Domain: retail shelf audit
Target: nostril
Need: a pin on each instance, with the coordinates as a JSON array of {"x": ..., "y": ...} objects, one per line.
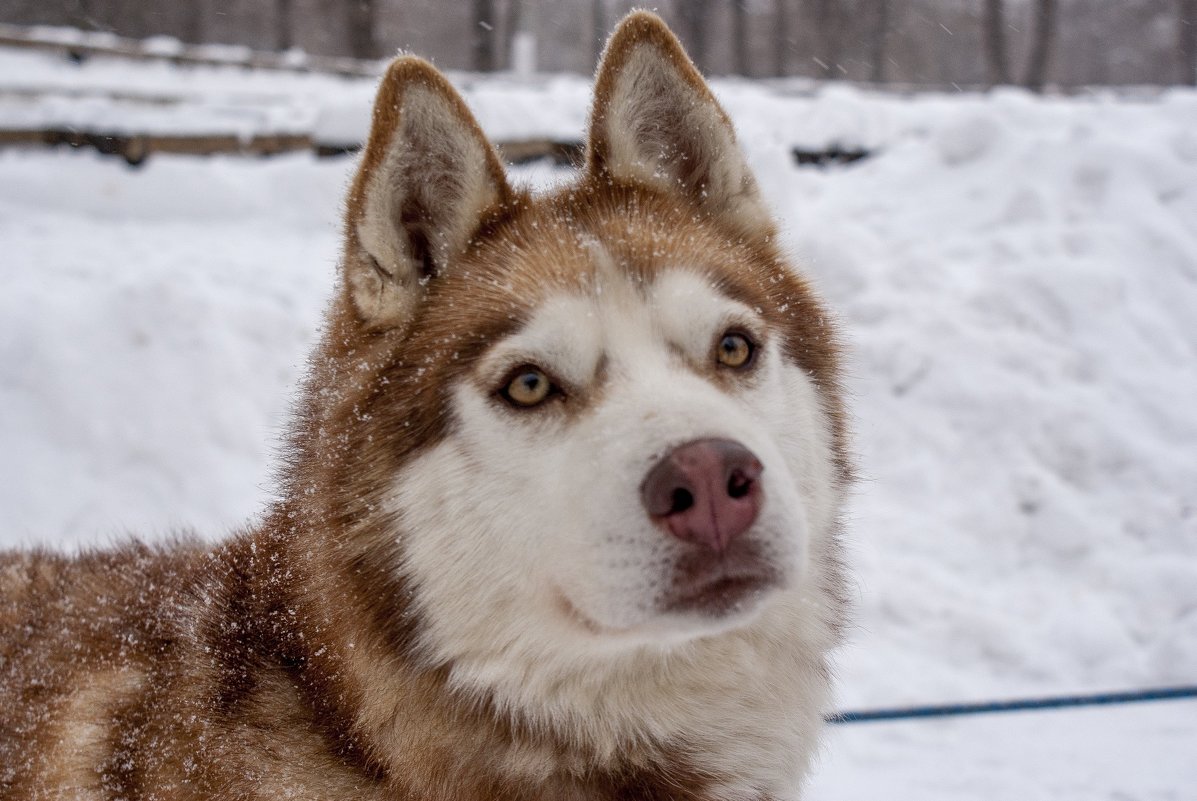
[
  {"x": 681, "y": 500},
  {"x": 738, "y": 484}
]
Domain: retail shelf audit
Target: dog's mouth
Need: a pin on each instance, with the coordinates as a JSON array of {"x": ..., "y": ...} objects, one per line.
[
  {"x": 700, "y": 584},
  {"x": 720, "y": 584}
]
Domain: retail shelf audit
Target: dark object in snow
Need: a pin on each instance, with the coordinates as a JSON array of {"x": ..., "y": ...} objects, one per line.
[
  {"x": 832, "y": 155},
  {"x": 562, "y": 154},
  {"x": 135, "y": 148}
]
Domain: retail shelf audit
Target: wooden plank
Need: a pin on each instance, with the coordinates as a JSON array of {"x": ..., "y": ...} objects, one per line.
[
  {"x": 83, "y": 45},
  {"x": 527, "y": 150},
  {"x": 136, "y": 147}
]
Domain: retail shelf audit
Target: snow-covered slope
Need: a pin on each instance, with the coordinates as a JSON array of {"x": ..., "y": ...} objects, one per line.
[
  {"x": 1020, "y": 283},
  {"x": 1016, "y": 277}
]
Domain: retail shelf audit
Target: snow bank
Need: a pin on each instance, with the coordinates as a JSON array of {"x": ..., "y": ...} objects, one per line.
[{"x": 1019, "y": 280}]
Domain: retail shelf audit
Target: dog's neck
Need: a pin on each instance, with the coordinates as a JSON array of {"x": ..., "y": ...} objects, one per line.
[{"x": 387, "y": 715}]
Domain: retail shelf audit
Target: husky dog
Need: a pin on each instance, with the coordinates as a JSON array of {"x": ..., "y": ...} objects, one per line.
[{"x": 558, "y": 518}]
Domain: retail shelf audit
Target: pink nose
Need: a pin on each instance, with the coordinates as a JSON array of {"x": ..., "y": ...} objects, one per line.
[{"x": 705, "y": 492}]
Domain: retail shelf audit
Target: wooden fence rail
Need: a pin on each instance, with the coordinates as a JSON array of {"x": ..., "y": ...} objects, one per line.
[
  {"x": 81, "y": 45},
  {"x": 135, "y": 148}
]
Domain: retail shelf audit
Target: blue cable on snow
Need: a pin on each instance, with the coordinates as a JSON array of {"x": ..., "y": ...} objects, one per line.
[{"x": 1015, "y": 705}]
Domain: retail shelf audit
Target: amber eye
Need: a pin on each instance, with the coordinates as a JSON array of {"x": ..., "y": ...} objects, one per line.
[
  {"x": 527, "y": 387},
  {"x": 735, "y": 350}
]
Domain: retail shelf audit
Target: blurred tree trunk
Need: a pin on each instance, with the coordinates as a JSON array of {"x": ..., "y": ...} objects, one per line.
[
  {"x": 829, "y": 40},
  {"x": 880, "y": 35},
  {"x": 598, "y": 27},
  {"x": 193, "y": 22},
  {"x": 781, "y": 28},
  {"x": 740, "y": 37},
  {"x": 482, "y": 21},
  {"x": 693, "y": 16},
  {"x": 83, "y": 16},
  {"x": 282, "y": 23},
  {"x": 1186, "y": 42},
  {"x": 361, "y": 28},
  {"x": 997, "y": 66},
  {"x": 1041, "y": 46},
  {"x": 130, "y": 18}
]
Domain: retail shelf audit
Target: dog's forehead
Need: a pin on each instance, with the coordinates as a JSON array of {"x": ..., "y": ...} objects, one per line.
[
  {"x": 584, "y": 244},
  {"x": 617, "y": 312}
]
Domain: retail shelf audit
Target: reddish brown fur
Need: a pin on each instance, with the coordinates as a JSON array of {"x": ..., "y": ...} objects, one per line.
[{"x": 280, "y": 664}]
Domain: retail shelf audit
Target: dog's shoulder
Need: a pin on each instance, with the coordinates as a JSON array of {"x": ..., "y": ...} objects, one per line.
[{"x": 45, "y": 593}]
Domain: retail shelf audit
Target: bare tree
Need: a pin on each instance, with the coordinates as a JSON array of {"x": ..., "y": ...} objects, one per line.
[
  {"x": 740, "y": 37},
  {"x": 996, "y": 63},
  {"x": 1186, "y": 42},
  {"x": 996, "y": 55},
  {"x": 82, "y": 15},
  {"x": 1041, "y": 45},
  {"x": 283, "y": 26},
  {"x": 482, "y": 20},
  {"x": 193, "y": 22},
  {"x": 361, "y": 24},
  {"x": 694, "y": 19},
  {"x": 826, "y": 21},
  {"x": 598, "y": 27},
  {"x": 781, "y": 36},
  {"x": 880, "y": 38},
  {"x": 131, "y": 18}
]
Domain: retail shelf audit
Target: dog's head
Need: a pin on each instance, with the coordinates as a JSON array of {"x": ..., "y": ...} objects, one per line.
[{"x": 593, "y": 421}]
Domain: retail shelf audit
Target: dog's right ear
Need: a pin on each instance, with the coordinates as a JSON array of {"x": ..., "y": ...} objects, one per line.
[{"x": 426, "y": 181}]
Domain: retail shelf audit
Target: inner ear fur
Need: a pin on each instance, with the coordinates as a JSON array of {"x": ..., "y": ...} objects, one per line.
[
  {"x": 426, "y": 181},
  {"x": 655, "y": 121}
]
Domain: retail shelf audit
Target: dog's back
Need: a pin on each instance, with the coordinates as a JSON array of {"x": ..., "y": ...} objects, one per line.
[
  {"x": 158, "y": 673},
  {"x": 83, "y": 641}
]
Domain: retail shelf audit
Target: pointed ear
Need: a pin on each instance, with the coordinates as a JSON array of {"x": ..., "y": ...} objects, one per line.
[
  {"x": 427, "y": 180},
  {"x": 656, "y": 122}
]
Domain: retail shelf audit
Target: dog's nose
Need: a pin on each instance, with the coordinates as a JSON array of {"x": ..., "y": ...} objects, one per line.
[{"x": 705, "y": 492}]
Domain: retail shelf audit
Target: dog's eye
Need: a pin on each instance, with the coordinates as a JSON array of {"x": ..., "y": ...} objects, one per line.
[
  {"x": 528, "y": 386},
  {"x": 735, "y": 350}
]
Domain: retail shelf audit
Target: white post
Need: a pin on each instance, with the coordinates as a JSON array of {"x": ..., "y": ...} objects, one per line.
[
  {"x": 523, "y": 54},
  {"x": 523, "y": 43}
]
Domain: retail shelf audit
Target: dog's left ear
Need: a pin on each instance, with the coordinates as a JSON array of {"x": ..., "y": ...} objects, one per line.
[{"x": 656, "y": 122}]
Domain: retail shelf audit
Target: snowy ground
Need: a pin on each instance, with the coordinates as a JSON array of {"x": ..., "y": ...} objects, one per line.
[
  {"x": 1017, "y": 279},
  {"x": 1141, "y": 753}
]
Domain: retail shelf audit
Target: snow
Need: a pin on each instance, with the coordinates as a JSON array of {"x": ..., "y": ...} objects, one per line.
[
  {"x": 1016, "y": 277},
  {"x": 40, "y": 90},
  {"x": 1143, "y": 753}
]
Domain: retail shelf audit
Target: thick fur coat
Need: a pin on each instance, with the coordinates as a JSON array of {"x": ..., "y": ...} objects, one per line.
[{"x": 465, "y": 589}]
